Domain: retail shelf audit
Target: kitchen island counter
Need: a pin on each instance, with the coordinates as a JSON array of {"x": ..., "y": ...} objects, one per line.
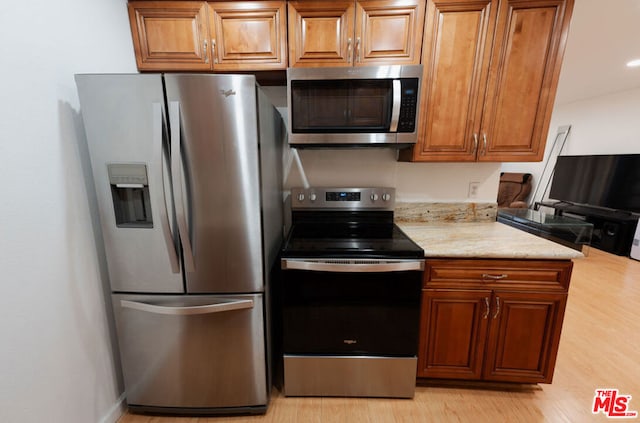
[{"x": 483, "y": 240}]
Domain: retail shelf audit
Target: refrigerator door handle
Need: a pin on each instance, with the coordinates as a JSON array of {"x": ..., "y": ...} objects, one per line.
[
  {"x": 163, "y": 212},
  {"x": 178, "y": 194},
  {"x": 188, "y": 310}
]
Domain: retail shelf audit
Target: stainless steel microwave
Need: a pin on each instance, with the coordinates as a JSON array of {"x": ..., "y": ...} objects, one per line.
[{"x": 357, "y": 106}]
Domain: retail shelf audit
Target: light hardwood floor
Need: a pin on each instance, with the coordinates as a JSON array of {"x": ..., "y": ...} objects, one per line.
[{"x": 599, "y": 348}]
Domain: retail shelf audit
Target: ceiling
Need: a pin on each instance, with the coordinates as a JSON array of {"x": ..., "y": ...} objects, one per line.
[{"x": 603, "y": 37}]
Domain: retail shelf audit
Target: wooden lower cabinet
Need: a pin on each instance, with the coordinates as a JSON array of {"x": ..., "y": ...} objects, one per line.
[
  {"x": 524, "y": 335},
  {"x": 454, "y": 332},
  {"x": 487, "y": 322}
]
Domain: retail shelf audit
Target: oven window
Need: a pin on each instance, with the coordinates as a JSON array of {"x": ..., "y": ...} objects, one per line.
[
  {"x": 351, "y": 313},
  {"x": 341, "y": 106}
]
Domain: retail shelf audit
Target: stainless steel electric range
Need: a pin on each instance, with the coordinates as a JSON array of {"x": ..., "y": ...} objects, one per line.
[{"x": 351, "y": 283}]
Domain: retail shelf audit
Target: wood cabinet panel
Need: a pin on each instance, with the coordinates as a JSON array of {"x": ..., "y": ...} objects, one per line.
[
  {"x": 169, "y": 35},
  {"x": 523, "y": 274},
  {"x": 355, "y": 33},
  {"x": 248, "y": 35},
  {"x": 523, "y": 79},
  {"x": 524, "y": 336},
  {"x": 388, "y": 32},
  {"x": 455, "y": 56},
  {"x": 492, "y": 328},
  {"x": 491, "y": 70},
  {"x": 321, "y": 33},
  {"x": 456, "y": 326}
]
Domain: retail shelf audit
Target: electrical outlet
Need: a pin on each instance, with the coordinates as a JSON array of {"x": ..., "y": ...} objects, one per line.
[{"x": 473, "y": 189}]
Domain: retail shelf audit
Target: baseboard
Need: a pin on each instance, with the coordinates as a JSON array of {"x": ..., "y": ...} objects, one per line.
[{"x": 116, "y": 411}]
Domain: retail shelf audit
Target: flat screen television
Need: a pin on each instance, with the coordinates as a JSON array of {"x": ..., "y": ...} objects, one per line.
[{"x": 608, "y": 181}]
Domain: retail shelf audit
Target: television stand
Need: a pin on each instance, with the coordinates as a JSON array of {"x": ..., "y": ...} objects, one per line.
[{"x": 612, "y": 229}]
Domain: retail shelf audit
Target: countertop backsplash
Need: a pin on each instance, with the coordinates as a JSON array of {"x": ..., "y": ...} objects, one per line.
[{"x": 445, "y": 212}]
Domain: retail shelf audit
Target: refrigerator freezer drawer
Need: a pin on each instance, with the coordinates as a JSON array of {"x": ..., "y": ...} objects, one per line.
[{"x": 192, "y": 352}]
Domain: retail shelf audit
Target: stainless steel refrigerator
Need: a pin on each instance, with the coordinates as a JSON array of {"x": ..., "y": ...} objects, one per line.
[{"x": 187, "y": 170}]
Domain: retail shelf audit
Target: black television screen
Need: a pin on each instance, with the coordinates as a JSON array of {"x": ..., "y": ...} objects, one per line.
[{"x": 610, "y": 181}]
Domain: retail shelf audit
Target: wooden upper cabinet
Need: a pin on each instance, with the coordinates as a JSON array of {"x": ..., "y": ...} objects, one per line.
[
  {"x": 455, "y": 57},
  {"x": 388, "y": 32},
  {"x": 321, "y": 33},
  {"x": 248, "y": 35},
  {"x": 170, "y": 35},
  {"x": 491, "y": 69},
  {"x": 205, "y": 36},
  {"x": 523, "y": 78},
  {"x": 355, "y": 33}
]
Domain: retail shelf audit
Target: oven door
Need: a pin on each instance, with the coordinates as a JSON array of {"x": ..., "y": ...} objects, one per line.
[{"x": 351, "y": 309}]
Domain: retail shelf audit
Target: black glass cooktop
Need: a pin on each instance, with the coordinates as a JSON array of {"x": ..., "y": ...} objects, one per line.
[{"x": 335, "y": 239}]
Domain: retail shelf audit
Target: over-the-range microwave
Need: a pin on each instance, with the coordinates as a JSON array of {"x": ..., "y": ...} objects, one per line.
[{"x": 353, "y": 106}]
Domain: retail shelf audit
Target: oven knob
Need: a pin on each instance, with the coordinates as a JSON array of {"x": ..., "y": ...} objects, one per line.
[
  {"x": 386, "y": 197},
  {"x": 300, "y": 197},
  {"x": 374, "y": 197},
  {"x": 312, "y": 197}
]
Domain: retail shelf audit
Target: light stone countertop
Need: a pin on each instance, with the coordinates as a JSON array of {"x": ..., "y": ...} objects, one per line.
[{"x": 483, "y": 240}]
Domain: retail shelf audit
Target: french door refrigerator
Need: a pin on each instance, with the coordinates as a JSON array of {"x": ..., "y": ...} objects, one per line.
[{"x": 187, "y": 171}]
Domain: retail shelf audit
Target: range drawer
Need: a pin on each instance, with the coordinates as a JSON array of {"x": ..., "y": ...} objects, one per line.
[{"x": 518, "y": 274}]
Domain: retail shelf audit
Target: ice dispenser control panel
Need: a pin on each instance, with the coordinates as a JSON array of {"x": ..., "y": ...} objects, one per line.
[{"x": 130, "y": 194}]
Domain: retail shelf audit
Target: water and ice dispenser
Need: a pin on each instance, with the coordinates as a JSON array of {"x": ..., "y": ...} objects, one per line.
[{"x": 130, "y": 194}]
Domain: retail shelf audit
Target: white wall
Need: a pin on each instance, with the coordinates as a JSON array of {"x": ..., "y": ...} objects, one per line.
[
  {"x": 414, "y": 182},
  {"x": 608, "y": 124},
  {"x": 56, "y": 359}
]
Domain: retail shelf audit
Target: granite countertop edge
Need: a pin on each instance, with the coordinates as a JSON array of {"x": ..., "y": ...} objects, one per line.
[{"x": 483, "y": 240}]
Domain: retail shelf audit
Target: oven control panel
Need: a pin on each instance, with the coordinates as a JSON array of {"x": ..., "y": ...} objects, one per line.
[{"x": 382, "y": 198}]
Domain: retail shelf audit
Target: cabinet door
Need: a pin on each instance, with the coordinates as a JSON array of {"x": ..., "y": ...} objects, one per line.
[
  {"x": 248, "y": 35},
  {"x": 455, "y": 56},
  {"x": 523, "y": 336},
  {"x": 453, "y": 331},
  {"x": 388, "y": 32},
  {"x": 321, "y": 33},
  {"x": 170, "y": 35},
  {"x": 523, "y": 77}
]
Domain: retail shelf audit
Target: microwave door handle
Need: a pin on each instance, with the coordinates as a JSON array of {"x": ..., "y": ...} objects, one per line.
[
  {"x": 395, "y": 109},
  {"x": 178, "y": 194},
  {"x": 158, "y": 125}
]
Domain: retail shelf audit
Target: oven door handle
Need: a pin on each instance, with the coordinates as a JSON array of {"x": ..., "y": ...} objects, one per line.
[{"x": 370, "y": 266}]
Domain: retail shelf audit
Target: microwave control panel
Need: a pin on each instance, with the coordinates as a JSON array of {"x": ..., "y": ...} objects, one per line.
[{"x": 408, "y": 105}]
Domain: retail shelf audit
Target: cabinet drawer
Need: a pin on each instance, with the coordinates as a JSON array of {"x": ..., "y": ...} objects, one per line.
[{"x": 519, "y": 274}]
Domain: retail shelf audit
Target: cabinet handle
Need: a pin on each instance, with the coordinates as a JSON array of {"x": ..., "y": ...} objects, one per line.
[
  {"x": 475, "y": 143},
  {"x": 484, "y": 144},
  {"x": 213, "y": 50},
  {"x": 494, "y": 277},
  {"x": 349, "y": 52},
  {"x": 358, "y": 49},
  {"x": 487, "y": 307},
  {"x": 495, "y": 315},
  {"x": 204, "y": 51}
]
